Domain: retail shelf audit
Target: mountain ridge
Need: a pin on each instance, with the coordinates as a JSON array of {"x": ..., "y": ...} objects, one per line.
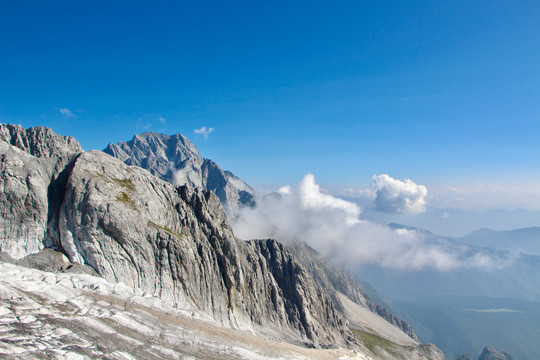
[{"x": 171, "y": 241}]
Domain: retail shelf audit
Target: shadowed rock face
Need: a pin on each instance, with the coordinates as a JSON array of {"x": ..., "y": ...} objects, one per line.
[
  {"x": 34, "y": 165},
  {"x": 176, "y": 160}
]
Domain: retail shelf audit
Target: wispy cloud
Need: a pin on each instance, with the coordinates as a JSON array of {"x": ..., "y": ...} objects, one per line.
[
  {"x": 396, "y": 196},
  {"x": 479, "y": 196},
  {"x": 67, "y": 113},
  {"x": 367, "y": 193},
  {"x": 162, "y": 120},
  {"x": 333, "y": 227},
  {"x": 204, "y": 131}
]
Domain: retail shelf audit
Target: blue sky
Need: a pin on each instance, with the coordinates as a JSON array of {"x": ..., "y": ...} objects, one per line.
[{"x": 439, "y": 92}]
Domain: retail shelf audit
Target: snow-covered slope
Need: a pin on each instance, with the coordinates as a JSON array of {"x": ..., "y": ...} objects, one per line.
[{"x": 76, "y": 316}]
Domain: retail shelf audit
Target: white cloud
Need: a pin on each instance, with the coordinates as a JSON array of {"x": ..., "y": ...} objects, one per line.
[
  {"x": 162, "y": 120},
  {"x": 67, "y": 113},
  {"x": 332, "y": 226},
  {"x": 396, "y": 196},
  {"x": 300, "y": 212},
  {"x": 204, "y": 131}
]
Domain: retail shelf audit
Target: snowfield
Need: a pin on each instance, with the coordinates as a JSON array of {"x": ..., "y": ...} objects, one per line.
[{"x": 74, "y": 316}]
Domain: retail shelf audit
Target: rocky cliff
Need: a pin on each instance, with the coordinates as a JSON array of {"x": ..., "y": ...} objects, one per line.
[
  {"x": 174, "y": 242},
  {"x": 336, "y": 281},
  {"x": 175, "y": 159},
  {"x": 34, "y": 165}
]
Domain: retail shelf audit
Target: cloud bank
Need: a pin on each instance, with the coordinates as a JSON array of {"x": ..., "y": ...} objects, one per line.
[
  {"x": 301, "y": 212},
  {"x": 395, "y": 196},
  {"x": 333, "y": 227}
]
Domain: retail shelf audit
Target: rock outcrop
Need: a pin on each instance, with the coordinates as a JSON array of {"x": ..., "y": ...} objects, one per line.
[
  {"x": 46, "y": 315},
  {"x": 175, "y": 159},
  {"x": 491, "y": 353},
  {"x": 464, "y": 357},
  {"x": 34, "y": 165},
  {"x": 39, "y": 141}
]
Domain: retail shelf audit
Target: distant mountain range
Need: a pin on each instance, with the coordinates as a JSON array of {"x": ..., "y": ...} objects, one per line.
[
  {"x": 463, "y": 310},
  {"x": 526, "y": 241},
  {"x": 453, "y": 222}
]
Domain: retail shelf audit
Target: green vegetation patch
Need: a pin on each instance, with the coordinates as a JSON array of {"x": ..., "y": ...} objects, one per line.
[
  {"x": 125, "y": 183},
  {"x": 123, "y": 197},
  {"x": 167, "y": 230},
  {"x": 375, "y": 343}
]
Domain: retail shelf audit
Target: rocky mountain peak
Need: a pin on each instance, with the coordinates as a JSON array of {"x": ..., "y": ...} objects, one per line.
[
  {"x": 39, "y": 141},
  {"x": 161, "y": 154},
  {"x": 491, "y": 353},
  {"x": 175, "y": 159}
]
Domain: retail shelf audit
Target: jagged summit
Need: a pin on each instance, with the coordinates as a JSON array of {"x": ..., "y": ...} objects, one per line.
[
  {"x": 175, "y": 159},
  {"x": 161, "y": 154},
  {"x": 491, "y": 353},
  {"x": 39, "y": 141}
]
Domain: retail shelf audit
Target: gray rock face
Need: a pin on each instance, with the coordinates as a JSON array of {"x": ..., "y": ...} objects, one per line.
[
  {"x": 490, "y": 353},
  {"x": 39, "y": 141},
  {"x": 46, "y": 315},
  {"x": 32, "y": 164},
  {"x": 334, "y": 280},
  {"x": 290, "y": 289},
  {"x": 464, "y": 357},
  {"x": 176, "y": 243},
  {"x": 176, "y": 160}
]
